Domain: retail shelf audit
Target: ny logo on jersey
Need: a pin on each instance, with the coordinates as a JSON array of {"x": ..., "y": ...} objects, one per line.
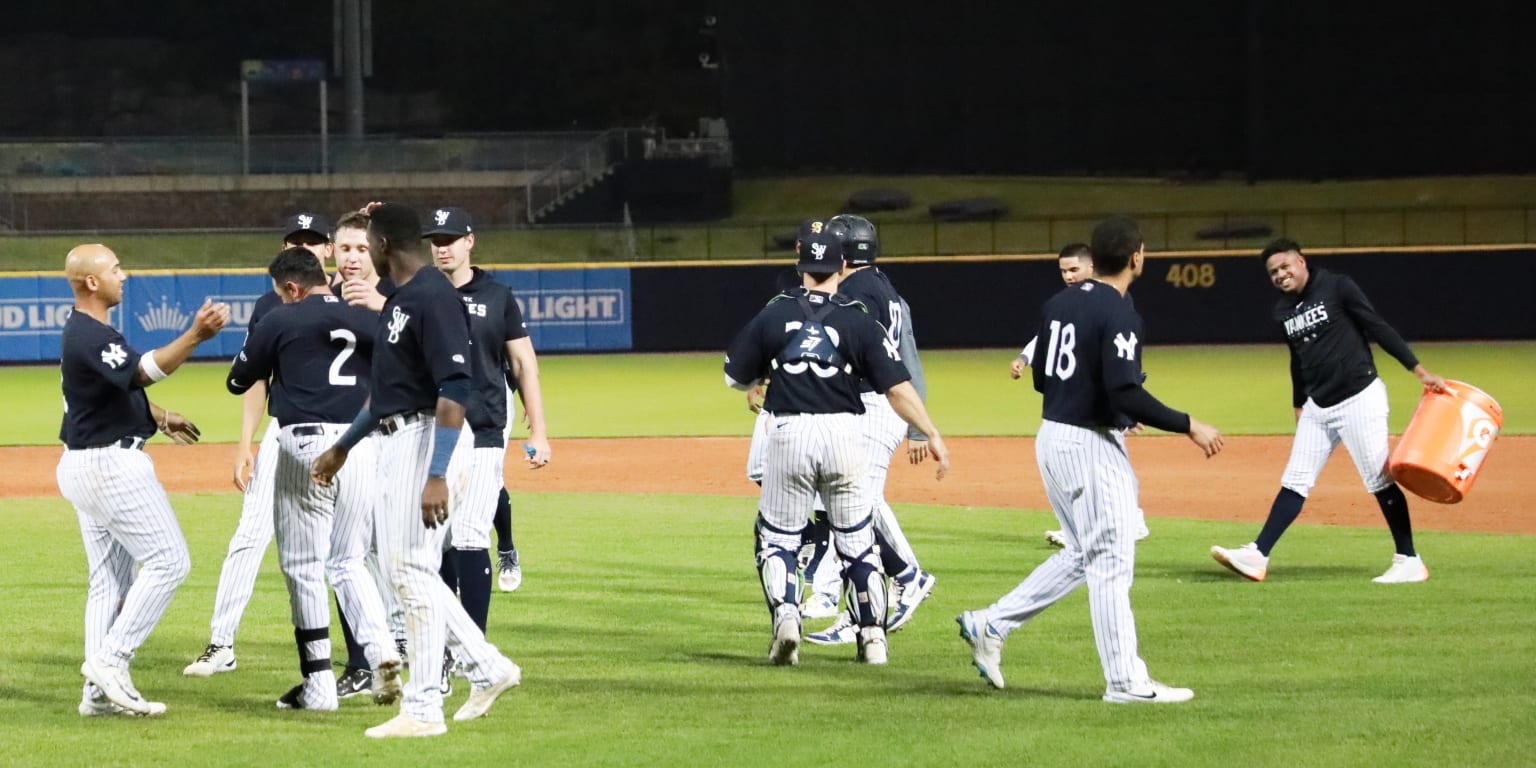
[
  {"x": 1124, "y": 347},
  {"x": 440, "y": 216},
  {"x": 114, "y": 355},
  {"x": 397, "y": 320}
]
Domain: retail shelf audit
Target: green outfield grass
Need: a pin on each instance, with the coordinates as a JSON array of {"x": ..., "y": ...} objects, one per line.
[
  {"x": 642, "y": 638},
  {"x": 1240, "y": 389}
]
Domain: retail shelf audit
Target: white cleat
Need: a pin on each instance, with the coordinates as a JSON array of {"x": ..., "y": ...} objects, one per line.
[
  {"x": 906, "y": 595},
  {"x": 117, "y": 687},
  {"x": 784, "y": 651},
  {"x": 94, "y": 703},
  {"x": 1057, "y": 539},
  {"x": 986, "y": 646},
  {"x": 842, "y": 632},
  {"x": 509, "y": 573},
  {"x": 405, "y": 727},
  {"x": 481, "y": 699},
  {"x": 1246, "y": 561},
  {"x": 1150, "y": 692},
  {"x": 820, "y": 606},
  {"x": 214, "y": 659},
  {"x": 1404, "y": 570},
  {"x": 872, "y": 646}
]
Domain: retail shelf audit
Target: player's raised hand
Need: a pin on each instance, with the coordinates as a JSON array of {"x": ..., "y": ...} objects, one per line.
[
  {"x": 328, "y": 464},
  {"x": 1016, "y": 368},
  {"x": 210, "y": 319},
  {"x": 178, "y": 428},
  {"x": 940, "y": 453},
  {"x": 1205, "y": 436},
  {"x": 434, "y": 502},
  {"x": 359, "y": 293}
]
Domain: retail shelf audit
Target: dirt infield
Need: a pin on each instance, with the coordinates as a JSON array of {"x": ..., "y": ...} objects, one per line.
[{"x": 988, "y": 472}]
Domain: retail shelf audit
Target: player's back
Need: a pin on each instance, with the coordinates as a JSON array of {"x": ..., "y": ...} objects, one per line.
[
  {"x": 1087, "y": 346},
  {"x": 323, "y": 350}
]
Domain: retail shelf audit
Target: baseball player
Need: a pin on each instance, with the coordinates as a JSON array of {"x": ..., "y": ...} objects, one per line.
[
  {"x": 817, "y": 558},
  {"x": 421, "y": 378},
  {"x": 1076, "y": 264},
  {"x": 817, "y": 346},
  {"x": 1090, "y": 375},
  {"x": 125, "y": 517},
  {"x": 1329, "y": 324},
  {"x": 360, "y": 286},
  {"x": 320, "y": 531},
  {"x": 501, "y": 344},
  {"x": 253, "y": 476},
  {"x": 883, "y": 427}
]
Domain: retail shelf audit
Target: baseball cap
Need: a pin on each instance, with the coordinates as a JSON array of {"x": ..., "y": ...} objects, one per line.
[
  {"x": 307, "y": 221},
  {"x": 820, "y": 253},
  {"x": 449, "y": 221}
]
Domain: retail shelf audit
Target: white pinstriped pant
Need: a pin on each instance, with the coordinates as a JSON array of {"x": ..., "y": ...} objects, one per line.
[
  {"x": 1360, "y": 422},
  {"x": 325, "y": 532},
  {"x": 125, "y": 518},
  {"x": 475, "y": 478},
  {"x": 1092, "y": 487},
  {"x": 413, "y": 554},
  {"x": 828, "y": 580},
  {"x": 817, "y": 453},
  {"x": 248, "y": 545},
  {"x": 884, "y": 429}
]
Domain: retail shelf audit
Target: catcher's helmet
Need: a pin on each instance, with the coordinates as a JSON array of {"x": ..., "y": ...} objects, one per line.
[{"x": 861, "y": 246}]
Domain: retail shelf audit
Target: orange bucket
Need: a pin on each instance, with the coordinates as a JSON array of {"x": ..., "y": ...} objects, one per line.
[{"x": 1446, "y": 442}]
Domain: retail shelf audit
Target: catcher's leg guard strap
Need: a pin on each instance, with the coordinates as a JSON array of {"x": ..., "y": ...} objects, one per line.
[
  {"x": 314, "y": 649},
  {"x": 866, "y": 590},
  {"x": 777, "y": 565}
]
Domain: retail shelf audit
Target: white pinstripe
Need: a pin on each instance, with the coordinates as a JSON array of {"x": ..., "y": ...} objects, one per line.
[
  {"x": 247, "y": 547},
  {"x": 828, "y": 579},
  {"x": 1360, "y": 422},
  {"x": 125, "y": 518},
  {"x": 413, "y": 552},
  {"x": 1092, "y": 488},
  {"x": 884, "y": 430},
  {"x": 324, "y": 532},
  {"x": 817, "y": 453},
  {"x": 476, "y": 477}
]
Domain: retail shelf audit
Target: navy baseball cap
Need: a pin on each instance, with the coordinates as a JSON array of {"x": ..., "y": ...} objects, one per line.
[
  {"x": 449, "y": 221},
  {"x": 820, "y": 253},
  {"x": 307, "y": 221}
]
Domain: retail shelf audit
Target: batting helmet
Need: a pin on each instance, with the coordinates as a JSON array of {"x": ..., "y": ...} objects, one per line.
[{"x": 861, "y": 246}]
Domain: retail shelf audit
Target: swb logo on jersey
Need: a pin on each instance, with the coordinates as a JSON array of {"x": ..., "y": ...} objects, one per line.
[{"x": 397, "y": 321}]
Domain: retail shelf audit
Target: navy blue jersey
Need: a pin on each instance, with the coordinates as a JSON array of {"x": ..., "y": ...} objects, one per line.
[
  {"x": 870, "y": 287},
  {"x": 268, "y": 302},
  {"x": 821, "y": 374},
  {"x": 318, "y": 354},
  {"x": 421, "y": 341},
  {"x": 494, "y": 320},
  {"x": 1328, "y": 327},
  {"x": 1089, "y": 345},
  {"x": 101, "y": 403}
]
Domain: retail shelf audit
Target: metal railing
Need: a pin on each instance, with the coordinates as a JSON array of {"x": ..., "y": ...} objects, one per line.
[
  {"x": 202, "y": 155},
  {"x": 579, "y": 166}
]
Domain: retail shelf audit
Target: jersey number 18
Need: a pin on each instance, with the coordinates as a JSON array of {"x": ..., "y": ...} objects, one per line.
[{"x": 1059, "y": 358}]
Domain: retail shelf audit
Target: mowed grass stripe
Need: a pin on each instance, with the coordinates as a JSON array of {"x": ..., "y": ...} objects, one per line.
[{"x": 642, "y": 634}]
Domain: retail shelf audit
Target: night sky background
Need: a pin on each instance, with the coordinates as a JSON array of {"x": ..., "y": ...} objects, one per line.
[{"x": 1262, "y": 88}]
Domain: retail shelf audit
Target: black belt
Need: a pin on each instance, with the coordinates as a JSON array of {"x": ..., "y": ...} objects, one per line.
[
  {"x": 131, "y": 443},
  {"x": 306, "y": 430},
  {"x": 392, "y": 424}
]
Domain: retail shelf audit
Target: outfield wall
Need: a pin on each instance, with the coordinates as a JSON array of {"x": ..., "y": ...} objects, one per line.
[{"x": 1186, "y": 298}]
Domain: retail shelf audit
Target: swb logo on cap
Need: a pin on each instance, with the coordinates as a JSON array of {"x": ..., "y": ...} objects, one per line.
[
  {"x": 820, "y": 253},
  {"x": 449, "y": 221}
]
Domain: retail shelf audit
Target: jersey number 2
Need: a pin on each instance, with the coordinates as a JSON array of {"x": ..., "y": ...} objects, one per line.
[
  {"x": 341, "y": 357},
  {"x": 1059, "y": 358}
]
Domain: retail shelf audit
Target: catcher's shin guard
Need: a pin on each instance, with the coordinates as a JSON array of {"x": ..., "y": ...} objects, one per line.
[
  {"x": 777, "y": 565},
  {"x": 866, "y": 589}
]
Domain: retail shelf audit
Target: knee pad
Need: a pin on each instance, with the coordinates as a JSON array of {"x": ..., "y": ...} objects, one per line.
[
  {"x": 866, "y": 589},
  {"x": 777, "y": 566}
]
